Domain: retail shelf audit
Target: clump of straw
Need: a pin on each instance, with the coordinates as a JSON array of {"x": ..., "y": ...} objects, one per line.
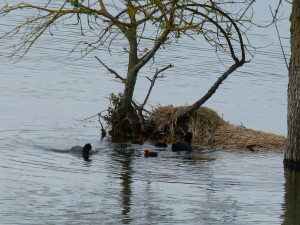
[{"x": 209, "y": 129}]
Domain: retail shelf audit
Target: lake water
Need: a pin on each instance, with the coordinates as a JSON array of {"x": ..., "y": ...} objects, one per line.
[{"x": 45, "y": 96}]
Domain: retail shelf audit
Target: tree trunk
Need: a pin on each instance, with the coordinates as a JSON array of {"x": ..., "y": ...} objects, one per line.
[
  {"x": 131, "y": 72},
  {"x": 130, "y": 81},
  {"x": 292, "y": 153},
  {"x": 126, "y": 120}
]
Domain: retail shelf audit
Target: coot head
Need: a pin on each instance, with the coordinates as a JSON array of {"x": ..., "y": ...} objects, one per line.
[
  {"x": 87, "y": 147},
  {"x": 86, "y": 151}
]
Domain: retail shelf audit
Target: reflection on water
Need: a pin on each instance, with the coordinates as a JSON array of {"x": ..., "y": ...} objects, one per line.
[
  {"x": 291, "y": 205},
  {"x": 126, "y": 182},
  {"x": 120, "y": 186}
]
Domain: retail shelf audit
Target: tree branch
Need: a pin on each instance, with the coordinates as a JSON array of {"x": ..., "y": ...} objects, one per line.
[
  {"x": 152, "y": 81},
  {"x": 210, "y": 92},
  {"x": 238, "y": 62},
  {"x": 111, "y": 70},
  {"x": 226, "y": 36},
  {"x": 140, "y": 108}
]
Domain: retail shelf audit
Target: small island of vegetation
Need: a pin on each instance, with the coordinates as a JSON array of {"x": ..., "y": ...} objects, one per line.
[{"x": 211, "y": 130}]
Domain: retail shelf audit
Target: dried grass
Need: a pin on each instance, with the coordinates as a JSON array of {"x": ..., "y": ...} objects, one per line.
[
  {"x": 242, "y": 137},
  {"x": 209, "y": 129}
]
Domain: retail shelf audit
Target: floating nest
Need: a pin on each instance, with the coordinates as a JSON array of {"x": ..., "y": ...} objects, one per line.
[{"x": 210, "y": 130}]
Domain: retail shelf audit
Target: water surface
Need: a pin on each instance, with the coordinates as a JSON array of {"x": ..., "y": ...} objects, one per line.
[{"x": 120, "y": 186}]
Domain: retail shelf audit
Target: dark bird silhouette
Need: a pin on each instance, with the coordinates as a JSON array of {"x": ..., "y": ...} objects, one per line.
[
  {"x": 147, "y": 153},
  {"x": 183, "y": 145},
  {"x": 162, "y": 144},
  {"x": 140, "y": 141},
  {"x": 86, "y": 151}
]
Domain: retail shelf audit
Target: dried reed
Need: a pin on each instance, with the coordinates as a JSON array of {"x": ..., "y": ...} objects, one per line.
[{"x": 209, "y": 129}]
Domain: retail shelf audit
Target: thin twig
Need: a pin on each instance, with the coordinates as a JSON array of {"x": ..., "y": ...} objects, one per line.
[
  {"x": 103, "y": 131},
  {"x": 140, "y": 108},
  {"x": 99, "y": 113},
  {"x": 278, "y": 35},
  {"x": 140, "y": 114},
  {"x": 153, "y": 81},
  {"x": 111, "y": 70}
]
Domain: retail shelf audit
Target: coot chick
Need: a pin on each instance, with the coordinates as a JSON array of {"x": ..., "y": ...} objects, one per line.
[
  {"x": 140, "y": 141},
  {"x": 86, "y": 151},
  {"x": 162, "y": 144},
  {"x": 147, "y": 154},
  {"x": 183, "y": 145}
]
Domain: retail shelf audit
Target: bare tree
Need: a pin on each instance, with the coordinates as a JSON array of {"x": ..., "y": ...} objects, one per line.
[{"x": 146, "y": 26}]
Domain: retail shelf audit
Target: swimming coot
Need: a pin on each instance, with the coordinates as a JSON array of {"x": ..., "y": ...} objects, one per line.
[
  {"x": 162, "y": 144},
  {"x": 147, "y": 154},
  {"x": 140, "y": 141},
  {"x": 86, "y": 151},
  {"x": 183, "y": 145}
]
